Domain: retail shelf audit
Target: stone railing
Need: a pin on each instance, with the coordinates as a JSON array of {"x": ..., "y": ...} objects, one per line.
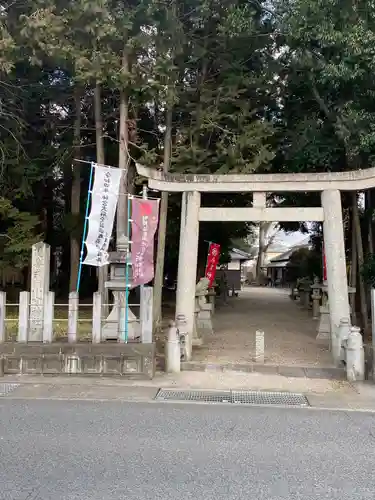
[
  {"x": 96, "y": 323},
  {"x": 76, "y": 343}
]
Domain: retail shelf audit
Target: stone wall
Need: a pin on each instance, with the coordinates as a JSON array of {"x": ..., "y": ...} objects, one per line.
[{"x": 122, "y": 360}]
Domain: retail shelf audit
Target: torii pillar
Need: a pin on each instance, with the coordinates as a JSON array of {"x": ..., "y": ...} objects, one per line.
[
  {"x": 334, "y": 249},
  {"x": 187, "y": 263}
]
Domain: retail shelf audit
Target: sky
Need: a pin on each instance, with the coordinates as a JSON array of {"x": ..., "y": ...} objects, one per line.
[{"x": 290, "y": 238}]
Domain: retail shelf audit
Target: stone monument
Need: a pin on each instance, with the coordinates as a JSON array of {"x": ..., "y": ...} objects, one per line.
[{"x": 40, "y": 273}]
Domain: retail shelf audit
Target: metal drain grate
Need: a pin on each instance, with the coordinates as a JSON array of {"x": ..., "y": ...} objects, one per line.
[
  {"x": 203, "y": 396},
  {"x": 235, "y": 397},
  {"x": 6, "y": 389},
  {"x": 269, "y": 398}
]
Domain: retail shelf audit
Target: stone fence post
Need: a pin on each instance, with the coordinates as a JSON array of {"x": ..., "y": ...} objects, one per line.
[
  {"x": 145, "y": 314},
  {"x": 73, "y": 317},
  {"x": 49, "y": 304},
  {"x": 97, "y": 318},
  {"x": 23, "y": 317}
]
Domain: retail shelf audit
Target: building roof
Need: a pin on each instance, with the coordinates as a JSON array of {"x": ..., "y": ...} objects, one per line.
[
  {"x": 284, "y": 257},
  {"x": 277, "y": 247},
  {"x": 237, "y": 254}
]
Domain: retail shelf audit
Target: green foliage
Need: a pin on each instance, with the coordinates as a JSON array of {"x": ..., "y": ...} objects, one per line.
[
  {"x": 329, "y": 48},
  {"x": 17, "y": 234},
  {"x": 223, "y": 125},
  {"x": 368, "y": 270},
  {"x": 304, "y": 263},
  {"x": 252, "y": 88}
]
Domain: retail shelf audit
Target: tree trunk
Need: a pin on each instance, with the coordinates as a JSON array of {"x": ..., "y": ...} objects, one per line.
[
  {"x": 76, "y": 194},
  {"x": 162, "y": 230},
  {"x": 260, "y": 259},
  {"x": 360, "y": 259},
  {"x": 264, "y": 242},
  {"x": 124, "y": 158},
  {"x": 100, "y": 158}
]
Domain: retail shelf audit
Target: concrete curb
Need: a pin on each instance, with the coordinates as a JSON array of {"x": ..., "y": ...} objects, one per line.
[{"x": 138, "y": 394}]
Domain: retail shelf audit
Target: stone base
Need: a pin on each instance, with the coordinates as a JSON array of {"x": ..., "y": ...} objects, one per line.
[
  {"x": 196, "y": 339},
  {"x": 110, "y": 328},
  {"x": 323, "y": 338},
  {"x": 204, "y": 322},
  {"x": 121, "y": 360},
  {"x": 324, "y": 328},
  {"x": 337, "y": 373},
  {"x": 211, "y": 300},
  {"x": 197, "y": 342}
]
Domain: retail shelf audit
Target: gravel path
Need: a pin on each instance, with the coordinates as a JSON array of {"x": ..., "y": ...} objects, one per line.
[{"x": 290, "y": 331}]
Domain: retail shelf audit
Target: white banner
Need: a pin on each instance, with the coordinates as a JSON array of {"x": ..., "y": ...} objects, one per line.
[{"x": 104, "y": 196}]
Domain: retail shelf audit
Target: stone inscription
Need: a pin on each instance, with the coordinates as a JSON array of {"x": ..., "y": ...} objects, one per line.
[{"x": 40, "y": 271}]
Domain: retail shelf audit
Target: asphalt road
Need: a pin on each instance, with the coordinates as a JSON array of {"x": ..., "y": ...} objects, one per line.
[{"x": 65, "y": 450}]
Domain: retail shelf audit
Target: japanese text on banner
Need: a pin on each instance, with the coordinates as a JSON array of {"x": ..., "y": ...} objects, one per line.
[
  {"x": 145, "y": 218},
  {"x": 104, "y": 197},
  {"x": 212, "y": 262}
]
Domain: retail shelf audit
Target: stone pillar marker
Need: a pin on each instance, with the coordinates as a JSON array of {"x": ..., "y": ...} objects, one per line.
[
  {"x": 334, "y": 248},
  {"x": 187, "y": 266},
  {"x": 259, "y": 346},
  {"x": 40, "y": 273}
]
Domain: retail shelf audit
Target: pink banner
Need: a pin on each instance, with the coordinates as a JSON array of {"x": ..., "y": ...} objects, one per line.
[{"x": 145, "y": 218}]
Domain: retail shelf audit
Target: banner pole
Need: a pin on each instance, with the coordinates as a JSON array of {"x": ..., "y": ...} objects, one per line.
[
  {"x": 208, "y": 253},
  {"x": 85, "y": 224},
  {"x": 126, "y": 332}
]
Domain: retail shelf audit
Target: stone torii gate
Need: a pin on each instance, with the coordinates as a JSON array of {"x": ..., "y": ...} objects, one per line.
[{"x": 330, "y": 213}]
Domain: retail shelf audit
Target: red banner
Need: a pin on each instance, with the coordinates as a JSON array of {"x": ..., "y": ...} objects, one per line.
[
  {"x": 212, "y": 262},
  {"x": 145, "y": 215},
  {"x": 324, "y": 265}
]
